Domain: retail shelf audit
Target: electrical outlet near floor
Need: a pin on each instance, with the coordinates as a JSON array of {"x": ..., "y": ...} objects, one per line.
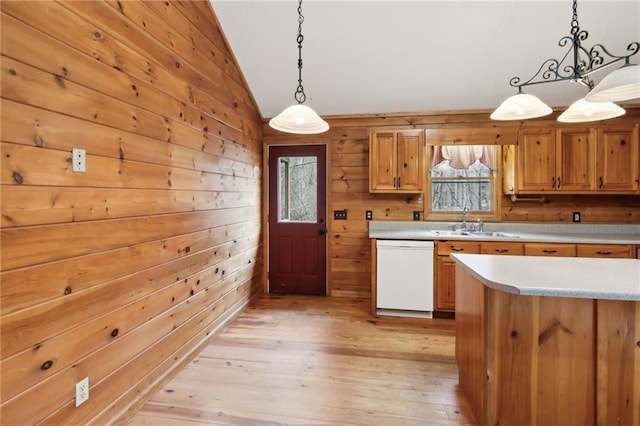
[{"x": 82, "y": 391}]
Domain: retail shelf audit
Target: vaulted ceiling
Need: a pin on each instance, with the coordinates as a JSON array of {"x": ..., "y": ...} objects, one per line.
[{"x": 363, "y": 57}]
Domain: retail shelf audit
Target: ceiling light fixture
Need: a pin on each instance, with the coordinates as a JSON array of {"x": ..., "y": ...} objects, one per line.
[
  {"x": 299, "y": 118},
  {"x": 622, "y": 84}
]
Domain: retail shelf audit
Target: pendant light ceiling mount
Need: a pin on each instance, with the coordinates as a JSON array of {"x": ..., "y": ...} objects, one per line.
[
  {"x": 577, "y": 64},
  {"x": 299, "y": 118}
]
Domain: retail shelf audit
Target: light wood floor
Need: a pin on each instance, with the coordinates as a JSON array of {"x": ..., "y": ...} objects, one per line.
[{"x": 300, "y": 360}]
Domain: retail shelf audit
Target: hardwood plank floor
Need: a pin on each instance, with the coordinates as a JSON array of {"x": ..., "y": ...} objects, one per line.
[{"x": 300, "y": 360}]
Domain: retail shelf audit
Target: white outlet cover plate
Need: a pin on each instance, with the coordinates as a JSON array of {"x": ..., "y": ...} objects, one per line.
[
  {"x": 78, "y": 160},
  {"x": 82, "y": 391}
]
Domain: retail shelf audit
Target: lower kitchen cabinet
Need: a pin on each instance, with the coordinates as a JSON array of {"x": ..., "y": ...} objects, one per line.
[
  {"x": 445, "y": 284},
  {"x": 445, "y": 274}
]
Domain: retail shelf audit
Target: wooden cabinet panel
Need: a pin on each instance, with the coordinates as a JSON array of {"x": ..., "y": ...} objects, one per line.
[
  {"x": 618, "y": 160},
  {"x": 549, "y": 249},
  {"x": 445, "y": 284},
  {"x": 473, "y": 136},
  {"x": 536, "y": 160},
  {"x": 618, "y": 362},
  {"x": 605, "y": 250},
  {"x": 575, "y": 160},
  {"x": 502, "y": 248},
  {"x": 382, "y": 166},
  {"x": 410, "y": 164},
  {"x": 396, "y": 162}
]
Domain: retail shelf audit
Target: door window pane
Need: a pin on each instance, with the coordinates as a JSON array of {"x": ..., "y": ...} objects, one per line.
[{"x": 297, "y": 189}]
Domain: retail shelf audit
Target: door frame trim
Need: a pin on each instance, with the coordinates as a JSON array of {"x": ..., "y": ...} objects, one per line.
[{"x": 265, "y": 210}]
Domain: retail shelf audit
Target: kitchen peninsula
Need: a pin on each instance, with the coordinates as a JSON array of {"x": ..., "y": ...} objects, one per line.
[{"x": 553, "y": 341}]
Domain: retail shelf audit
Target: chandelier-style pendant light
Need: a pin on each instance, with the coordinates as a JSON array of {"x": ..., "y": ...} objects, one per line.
[
  {"x": 299, "y": 118},
  {"x": 622, "y": 84}
]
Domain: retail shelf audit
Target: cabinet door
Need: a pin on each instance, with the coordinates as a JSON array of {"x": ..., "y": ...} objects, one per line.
[
  {"x": 445, "y": 284},
  {"x": 536, "y": 160},
  {"x": 618, "y": 159},
  {"x": 410, "y": 164},
  {"x": 575, "y": 160},
  {"x": 382, "y": 162}
]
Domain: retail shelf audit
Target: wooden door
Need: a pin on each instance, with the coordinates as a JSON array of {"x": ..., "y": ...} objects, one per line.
[
  {"x": 618, "y": 158},
  {"x": 410, "y": 163},
  {"x": 382, "y": 162},
  {"x": 575, "y": 160},
  {"x": 297, "y": 219},
  {"x": 536, "y": 160}
]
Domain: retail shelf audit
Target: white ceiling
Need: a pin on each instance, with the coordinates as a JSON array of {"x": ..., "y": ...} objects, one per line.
[{"x": 363, "y": 57}]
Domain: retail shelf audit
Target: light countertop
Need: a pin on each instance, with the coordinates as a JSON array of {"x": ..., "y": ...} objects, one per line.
[
  {"x": 588, "y": 278},
  {"x": 549, "y": 233}
]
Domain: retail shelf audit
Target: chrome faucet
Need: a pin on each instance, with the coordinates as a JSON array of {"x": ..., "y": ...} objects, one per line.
[
  {"x": 465, "y": 213},
  {"x": 479, "y": 225}
]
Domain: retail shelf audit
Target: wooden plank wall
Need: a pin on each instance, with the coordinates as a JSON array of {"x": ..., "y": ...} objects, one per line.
[
  {"x": 121, "y": 273},
  {"x": 348, "y": 147}
]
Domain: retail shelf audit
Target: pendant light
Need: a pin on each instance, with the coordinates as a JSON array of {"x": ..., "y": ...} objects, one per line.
[
  {"x": 521, "y": 107},
  {"x": 582, "y": 111},
  {"x": 299, "y": 118},
  {"x": 622, "y": 84}
]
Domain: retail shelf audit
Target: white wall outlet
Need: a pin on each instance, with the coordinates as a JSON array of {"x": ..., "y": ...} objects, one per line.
[
  {"x": 79, "y": 160},
  {"x": 82, "y": 391}
]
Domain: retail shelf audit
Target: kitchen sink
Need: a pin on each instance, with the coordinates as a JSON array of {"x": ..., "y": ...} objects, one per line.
[
  {"x": 451, "y": 233},
  {"x": 493, "y": 234},
  {"x": 446, "y": 233}
]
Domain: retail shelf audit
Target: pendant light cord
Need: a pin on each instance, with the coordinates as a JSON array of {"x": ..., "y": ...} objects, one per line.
[{"x": 299, "y": 95}]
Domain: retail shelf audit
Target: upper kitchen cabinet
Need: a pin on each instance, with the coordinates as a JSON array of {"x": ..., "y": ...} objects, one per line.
[
  {"x": 618, "y": 159},
  {"x": 577, "y": 160},
  {"x": 396, "y": 161},
  {"x": 556, "y": 160}
]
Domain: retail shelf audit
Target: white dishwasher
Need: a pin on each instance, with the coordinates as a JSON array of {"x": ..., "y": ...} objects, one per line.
[{"x": 404, "y": 275}]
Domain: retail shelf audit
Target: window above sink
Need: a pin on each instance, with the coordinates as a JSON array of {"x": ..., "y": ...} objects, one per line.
[{"x": 462, "y": 179}]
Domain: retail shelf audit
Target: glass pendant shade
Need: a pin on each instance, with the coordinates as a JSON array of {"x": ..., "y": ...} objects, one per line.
[
  {"x": 299, "y": 119},
  {"x": 521, "y": 107},
  {"x": 582, "y": 111},
  {"x": 621, "y": 85}
]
